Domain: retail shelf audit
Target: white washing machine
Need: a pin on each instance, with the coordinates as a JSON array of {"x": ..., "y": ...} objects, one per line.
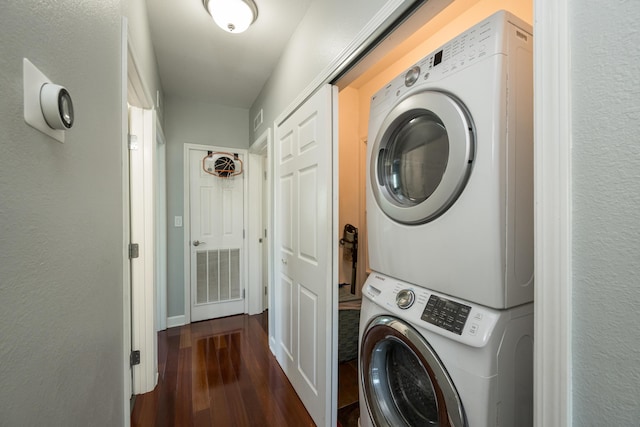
[
  {"x": 427, "y": 359},
  {"x": 450, "y": 168}
]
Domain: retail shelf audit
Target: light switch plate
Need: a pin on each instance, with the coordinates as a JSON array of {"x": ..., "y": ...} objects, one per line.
[
  {"x": 34, "y": 79},
  {"x": 177, "y": 221}
]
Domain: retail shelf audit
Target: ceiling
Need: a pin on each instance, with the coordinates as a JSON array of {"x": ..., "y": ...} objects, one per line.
[{"x": 198, "y": 60}]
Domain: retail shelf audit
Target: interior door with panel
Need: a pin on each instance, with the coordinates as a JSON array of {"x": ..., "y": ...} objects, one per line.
[
  {"x": 216, "y": 220},
  {"x": 304, "y": 267}
]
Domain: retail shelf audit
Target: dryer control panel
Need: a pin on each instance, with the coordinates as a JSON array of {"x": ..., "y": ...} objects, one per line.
[{"x": 477, "y": 43}]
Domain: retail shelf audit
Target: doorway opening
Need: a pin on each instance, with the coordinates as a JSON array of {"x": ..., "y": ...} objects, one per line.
[{"x": 416, "y": 37}]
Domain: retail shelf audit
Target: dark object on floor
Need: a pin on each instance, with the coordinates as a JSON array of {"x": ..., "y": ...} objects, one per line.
[
  {"x": 348, "y": 416},
  {"x": 348, "y": 324}
]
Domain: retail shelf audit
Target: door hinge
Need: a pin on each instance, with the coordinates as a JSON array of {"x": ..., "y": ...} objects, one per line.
[
  {"x": 243, "y": 233},
  {"x": 134, "y": 250},
  {"x": 243, "y": 293},
  {"x": 134, "y": 358},
  {"x": 265, "y": 290},
  {"x": 133, "y": 142}
]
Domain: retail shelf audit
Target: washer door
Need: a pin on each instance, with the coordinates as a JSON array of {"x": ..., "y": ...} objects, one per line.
[
  {"x": 403, "y": 381},
  {"x": 421, "y": 157}
]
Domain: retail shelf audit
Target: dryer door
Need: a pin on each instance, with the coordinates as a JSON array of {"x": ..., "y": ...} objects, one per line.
[
  {"x": 404, "y": 382},
  {"x": 422, "y": 157}
]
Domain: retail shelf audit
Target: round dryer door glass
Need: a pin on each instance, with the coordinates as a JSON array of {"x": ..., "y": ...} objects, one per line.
[
  {"x": 422, "y": 157},
  {"x": 412, "y": 165}
]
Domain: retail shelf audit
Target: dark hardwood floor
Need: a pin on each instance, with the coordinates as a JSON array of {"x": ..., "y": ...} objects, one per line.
[{"x": 219, "y": 373}]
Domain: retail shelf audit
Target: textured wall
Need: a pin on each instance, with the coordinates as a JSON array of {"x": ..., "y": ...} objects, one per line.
[
  {"x": 606, "y": 212},
  {"x": 61, "y": 210},
  {"x": 194, "y": 123},
  {"x": 324, "y": 32},
  {"x": 140, "y": 43}
]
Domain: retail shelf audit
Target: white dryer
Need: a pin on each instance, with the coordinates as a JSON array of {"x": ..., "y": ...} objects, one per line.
[
  {"x": 427, "y": 359},
  {"x": 450, "y": 168}
]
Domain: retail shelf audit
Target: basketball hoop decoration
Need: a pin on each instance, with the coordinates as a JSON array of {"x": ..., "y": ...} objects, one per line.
[{"x": 222, "y": 165}]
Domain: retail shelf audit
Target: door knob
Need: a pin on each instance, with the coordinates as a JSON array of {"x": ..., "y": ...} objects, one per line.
[{"x": 197, "y": 243}]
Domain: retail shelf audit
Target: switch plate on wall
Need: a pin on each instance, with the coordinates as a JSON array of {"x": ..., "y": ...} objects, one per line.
[{"x": 177, "y": 221}]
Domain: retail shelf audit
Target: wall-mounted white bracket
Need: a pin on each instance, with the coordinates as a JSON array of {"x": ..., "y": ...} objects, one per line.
[{"x": 34, "y": 79}]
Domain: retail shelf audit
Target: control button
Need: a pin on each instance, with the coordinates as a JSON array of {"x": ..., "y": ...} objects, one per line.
[
  {"x": 412, "y": 76},
  {"x": 405, "y": 298},
  {"x": 473, "y": 329},
  {"x": 477, "y": 316}
]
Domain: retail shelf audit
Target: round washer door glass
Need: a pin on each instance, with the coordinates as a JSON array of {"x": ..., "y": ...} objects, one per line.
[
  {"x": 404, "y": 382},
  {"x": 421, "y": 158}
]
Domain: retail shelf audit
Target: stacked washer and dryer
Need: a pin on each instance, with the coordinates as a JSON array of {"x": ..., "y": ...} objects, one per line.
[{"x": 446, "y": 329}]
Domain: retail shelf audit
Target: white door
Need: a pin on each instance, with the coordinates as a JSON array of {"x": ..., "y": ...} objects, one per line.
[
  {"x": 216, "y": 221},
  {"x": 265, "y": 233},
  {"x": 305, "y": 270},
  {"x": 142, "y": 185}
]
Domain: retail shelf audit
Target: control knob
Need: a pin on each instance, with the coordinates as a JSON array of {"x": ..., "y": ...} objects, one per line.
[
  {"x": 411, "y": 76},
  {"x": 405, "y": 298}
]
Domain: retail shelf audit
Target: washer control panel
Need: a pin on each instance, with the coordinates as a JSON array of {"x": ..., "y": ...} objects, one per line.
[
  {"x": 457, "y": 319},
  {"x": 447, "y": 314}
]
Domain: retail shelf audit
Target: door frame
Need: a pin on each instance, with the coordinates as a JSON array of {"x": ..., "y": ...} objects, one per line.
[
  {"x": 259, "y": 150},
  {"x": 186, "y": 238},
  {"x": 136, "y": 313},
  {"x": 161, "y": 226},
  {"x": 553, "y": 195},
  {"x": 126, "y": 233}
]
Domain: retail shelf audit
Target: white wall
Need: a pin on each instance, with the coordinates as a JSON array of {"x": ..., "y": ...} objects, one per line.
[
  {"x": 140, "y": 42},
  {"x": 605, "y": 62},
  {"x": 325, "y": 31},
  {"x": 61, "y": 210},
  {"x": 192, "y": 122}
]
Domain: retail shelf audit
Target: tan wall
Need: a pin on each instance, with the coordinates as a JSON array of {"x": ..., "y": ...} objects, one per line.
[
  {"x": 348, "y": 170},
  {"x": 354, "y": 102}
]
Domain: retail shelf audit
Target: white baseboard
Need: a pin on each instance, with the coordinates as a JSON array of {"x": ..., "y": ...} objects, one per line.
[{"x": 174, "y": 321}]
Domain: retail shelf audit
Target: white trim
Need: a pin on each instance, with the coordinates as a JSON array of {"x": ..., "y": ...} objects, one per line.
[
  {"x": 126, "y": 271},
  {"x": 161, "y": 226},
  {"x": 254, "y": 260},
  {"x": 387, "y": 13},
  {"x": 553, "y": 267},
  {"x": 335, "y": 244},
  {"x": 187, "y": 223},
  {"x": 245, "y": 229},
  {"x": 174, "y": 321},
  {"x": 257, "y": 151}
]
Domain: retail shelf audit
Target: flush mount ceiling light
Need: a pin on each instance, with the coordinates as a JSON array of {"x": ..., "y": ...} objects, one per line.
[{"x": 233, "y": 16}]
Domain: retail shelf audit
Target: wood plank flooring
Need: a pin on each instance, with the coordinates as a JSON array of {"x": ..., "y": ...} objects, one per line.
[{"x": 219, "y": 373}]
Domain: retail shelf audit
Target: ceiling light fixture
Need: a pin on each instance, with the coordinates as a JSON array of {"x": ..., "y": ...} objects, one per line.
[{"x": 233, "y": 16}]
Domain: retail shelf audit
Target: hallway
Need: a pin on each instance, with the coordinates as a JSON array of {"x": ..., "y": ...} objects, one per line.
[{"x": 219, "y": 372}]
